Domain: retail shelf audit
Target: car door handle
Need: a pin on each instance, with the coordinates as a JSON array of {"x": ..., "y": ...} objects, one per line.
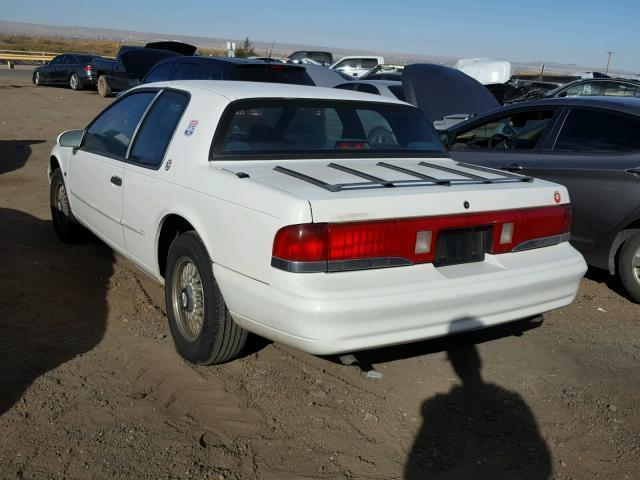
[
  {"x": 512, "y": 167},
  {"x": 117, "y": 181}
]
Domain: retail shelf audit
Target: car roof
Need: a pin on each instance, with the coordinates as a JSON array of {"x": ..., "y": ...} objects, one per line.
[
  {"x": 623, "y": 104},
  {"x": 240, "y": 90}
]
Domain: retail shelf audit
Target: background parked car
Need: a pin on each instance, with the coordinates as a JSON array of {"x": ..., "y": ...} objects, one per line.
[
  {"x": 589, "y": 145},
  {"x": 321, "y": 58},
  {"x": 132, "y": 64},
  {"x": 73, "y": 69},
  {"x": 385, "y": 72},
  {"x": 357, "y": 66},
  {"x": 210, "y": 68},
  {"x": 609, "y": 87}
]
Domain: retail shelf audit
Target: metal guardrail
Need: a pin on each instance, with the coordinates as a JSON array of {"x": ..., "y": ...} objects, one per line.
[{"x": 26, "y": 56}]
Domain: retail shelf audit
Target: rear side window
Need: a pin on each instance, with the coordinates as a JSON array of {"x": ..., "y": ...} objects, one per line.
[
  {"x": 599, "y": 131},
  {"x": 157, "y": 129},
  {"x": 110, "y": 134},
  {"x": 161, "y": 73},
  {"x": 194, "y": 71}
]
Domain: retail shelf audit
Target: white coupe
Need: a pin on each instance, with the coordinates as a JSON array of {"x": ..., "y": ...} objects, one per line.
[{"x": 325, "y": 219}]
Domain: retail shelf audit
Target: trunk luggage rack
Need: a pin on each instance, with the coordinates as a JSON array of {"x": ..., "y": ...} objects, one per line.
[{"x": 421, "y": 180}]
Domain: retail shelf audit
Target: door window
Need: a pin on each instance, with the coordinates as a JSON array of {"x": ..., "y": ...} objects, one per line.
[
  {"x": 349, "y": 63},
  {"x": 518, "y": 131},
  {"x": 57, "y": 60},
  {"x": 369, "y": 63},
  {"x": 157, "y": 129},
  {"x": 599, "y": 131},
  {"x": 193, "y": 71},
  {"x": 112, "y": 131}
]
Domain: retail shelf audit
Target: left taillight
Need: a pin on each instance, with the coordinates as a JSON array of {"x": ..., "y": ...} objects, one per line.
[
  {"x": 329, "y": 247},
  {"x": 88, "y": 69}
]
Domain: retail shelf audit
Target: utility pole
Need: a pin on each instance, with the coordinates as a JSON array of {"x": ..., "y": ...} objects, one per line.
[{"x": 606, "y": 70}]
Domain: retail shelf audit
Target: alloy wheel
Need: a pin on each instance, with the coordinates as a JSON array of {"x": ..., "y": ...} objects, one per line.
[{"x": 187, "y": 294}]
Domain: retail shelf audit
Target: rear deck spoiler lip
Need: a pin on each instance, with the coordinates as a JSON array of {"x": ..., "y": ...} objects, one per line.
[{"x": 422, "y": 180}]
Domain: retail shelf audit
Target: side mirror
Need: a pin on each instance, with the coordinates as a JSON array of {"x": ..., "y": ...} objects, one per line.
[{"x": 70, "y": 138}]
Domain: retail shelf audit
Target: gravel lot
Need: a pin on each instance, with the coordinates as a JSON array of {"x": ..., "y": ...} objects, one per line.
[{"x": 91, "y": 387}]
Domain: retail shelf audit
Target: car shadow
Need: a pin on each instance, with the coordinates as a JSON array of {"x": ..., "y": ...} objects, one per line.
[
  {"x": 53, "y": 303},
  {"x": 612, "y": 282},
  {"x": 477, "y": 430},
  {"x": 15, "y": 153}
]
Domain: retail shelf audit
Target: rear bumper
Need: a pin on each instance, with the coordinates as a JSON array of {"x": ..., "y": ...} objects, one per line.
[{"x": 348, "y": 311}]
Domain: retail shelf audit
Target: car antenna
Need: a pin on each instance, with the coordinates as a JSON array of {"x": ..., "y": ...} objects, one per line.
[{"x": 271, "y": 51}]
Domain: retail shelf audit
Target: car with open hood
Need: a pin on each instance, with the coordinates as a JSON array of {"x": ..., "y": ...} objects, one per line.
[
  {"x": 133, "y": 63},
  {"x": 273, "y": 209}
]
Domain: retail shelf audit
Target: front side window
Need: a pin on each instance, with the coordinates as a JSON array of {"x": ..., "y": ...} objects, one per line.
[
  {"x": 57, "y": 60},
  {"x": 369, "y": 63},
  {"x": 307, "y": 128},
  {"x": 156, "y": 131},
  {"x": 599, "y": 131},
  {"x": 518, "y": 131},
  {"x": 111, "y": 133}
]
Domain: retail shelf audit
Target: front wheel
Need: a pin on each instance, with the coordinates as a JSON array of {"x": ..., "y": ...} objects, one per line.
[
  {"x": 74, "y": 82},
  {"x": 65, "y": 224},
  {"x": 37, "y": 79},
  {"x": 629, "y": 266},
  {"x": 201, "y": 325}
]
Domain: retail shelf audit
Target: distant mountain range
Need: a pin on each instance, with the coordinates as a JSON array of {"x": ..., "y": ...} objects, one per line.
[{"x": 262, "y": 48}]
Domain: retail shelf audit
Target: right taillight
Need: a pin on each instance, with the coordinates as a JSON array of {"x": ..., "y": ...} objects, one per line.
[{"x": 327, "y": 247}]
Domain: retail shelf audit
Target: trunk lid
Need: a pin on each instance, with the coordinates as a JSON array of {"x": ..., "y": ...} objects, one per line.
[{"x": 342, "y": 190}]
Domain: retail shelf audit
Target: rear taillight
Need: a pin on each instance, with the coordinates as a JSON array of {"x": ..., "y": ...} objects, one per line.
[
  {"x": 88, "y": 68},
  {"x": 325, "y": 247}
]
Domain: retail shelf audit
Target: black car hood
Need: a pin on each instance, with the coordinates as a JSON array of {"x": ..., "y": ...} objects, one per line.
[
  {"x": 440, "y": 91},
  {"x": 178, "y": 47},
  {"x": 137, "y": 62}
]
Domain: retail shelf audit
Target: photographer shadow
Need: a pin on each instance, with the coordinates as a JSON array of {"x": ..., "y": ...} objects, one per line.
[{"x": 477, "y": 430}]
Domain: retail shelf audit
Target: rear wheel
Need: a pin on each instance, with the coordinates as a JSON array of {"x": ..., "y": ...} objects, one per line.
[
  {"x": 629, "y": 266},
  {"x": 104, "y": 90},
  {"x": 201, "y": 325},
  {"x": 74, "y": 82},
  {"x": 65, "y": 224}
]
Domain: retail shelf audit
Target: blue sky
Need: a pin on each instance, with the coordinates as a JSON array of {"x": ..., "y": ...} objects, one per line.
[{"x": 563, "y": 31}]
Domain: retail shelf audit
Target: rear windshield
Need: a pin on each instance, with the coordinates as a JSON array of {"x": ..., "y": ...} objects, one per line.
[
  {"x": 273, "y": 73},
  {"x": 256, "y": 129}
]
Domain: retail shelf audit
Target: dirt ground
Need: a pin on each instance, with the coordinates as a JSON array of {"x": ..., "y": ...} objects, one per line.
[{"x": 91, "y": 387}]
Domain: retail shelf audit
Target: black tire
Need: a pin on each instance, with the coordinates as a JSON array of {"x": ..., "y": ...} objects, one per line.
[
  {"x": 75, "y": 83},
  {"x": 219, "y": 339},
  {"x": 629, "y": 266},
  {"x": 65, "y": 224},
  {"x": 104, "y": 90}
]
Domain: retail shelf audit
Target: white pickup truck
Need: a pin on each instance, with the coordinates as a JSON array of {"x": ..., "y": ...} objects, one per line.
[{"x": 325, "y": 219}]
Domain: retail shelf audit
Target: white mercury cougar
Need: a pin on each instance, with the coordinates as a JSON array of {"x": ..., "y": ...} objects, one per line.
[{"x": 329, "y": 220}]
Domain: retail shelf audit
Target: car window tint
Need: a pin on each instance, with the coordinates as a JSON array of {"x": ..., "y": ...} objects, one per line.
[
  {"x": 70, "y": 60},
  {"x": 366, "y": 88},
  {"x": 161, "y": 73},
  {"x": 57, "y": 60},
  {"x": 111, "y": 132},
  {"x": 349, "y": 63},
  {"x": 157, "y": 129},
  {"x": 518, "y": 131},
  {"x": 194, "y": 71},
  {"x": 599, "y": 131}
]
